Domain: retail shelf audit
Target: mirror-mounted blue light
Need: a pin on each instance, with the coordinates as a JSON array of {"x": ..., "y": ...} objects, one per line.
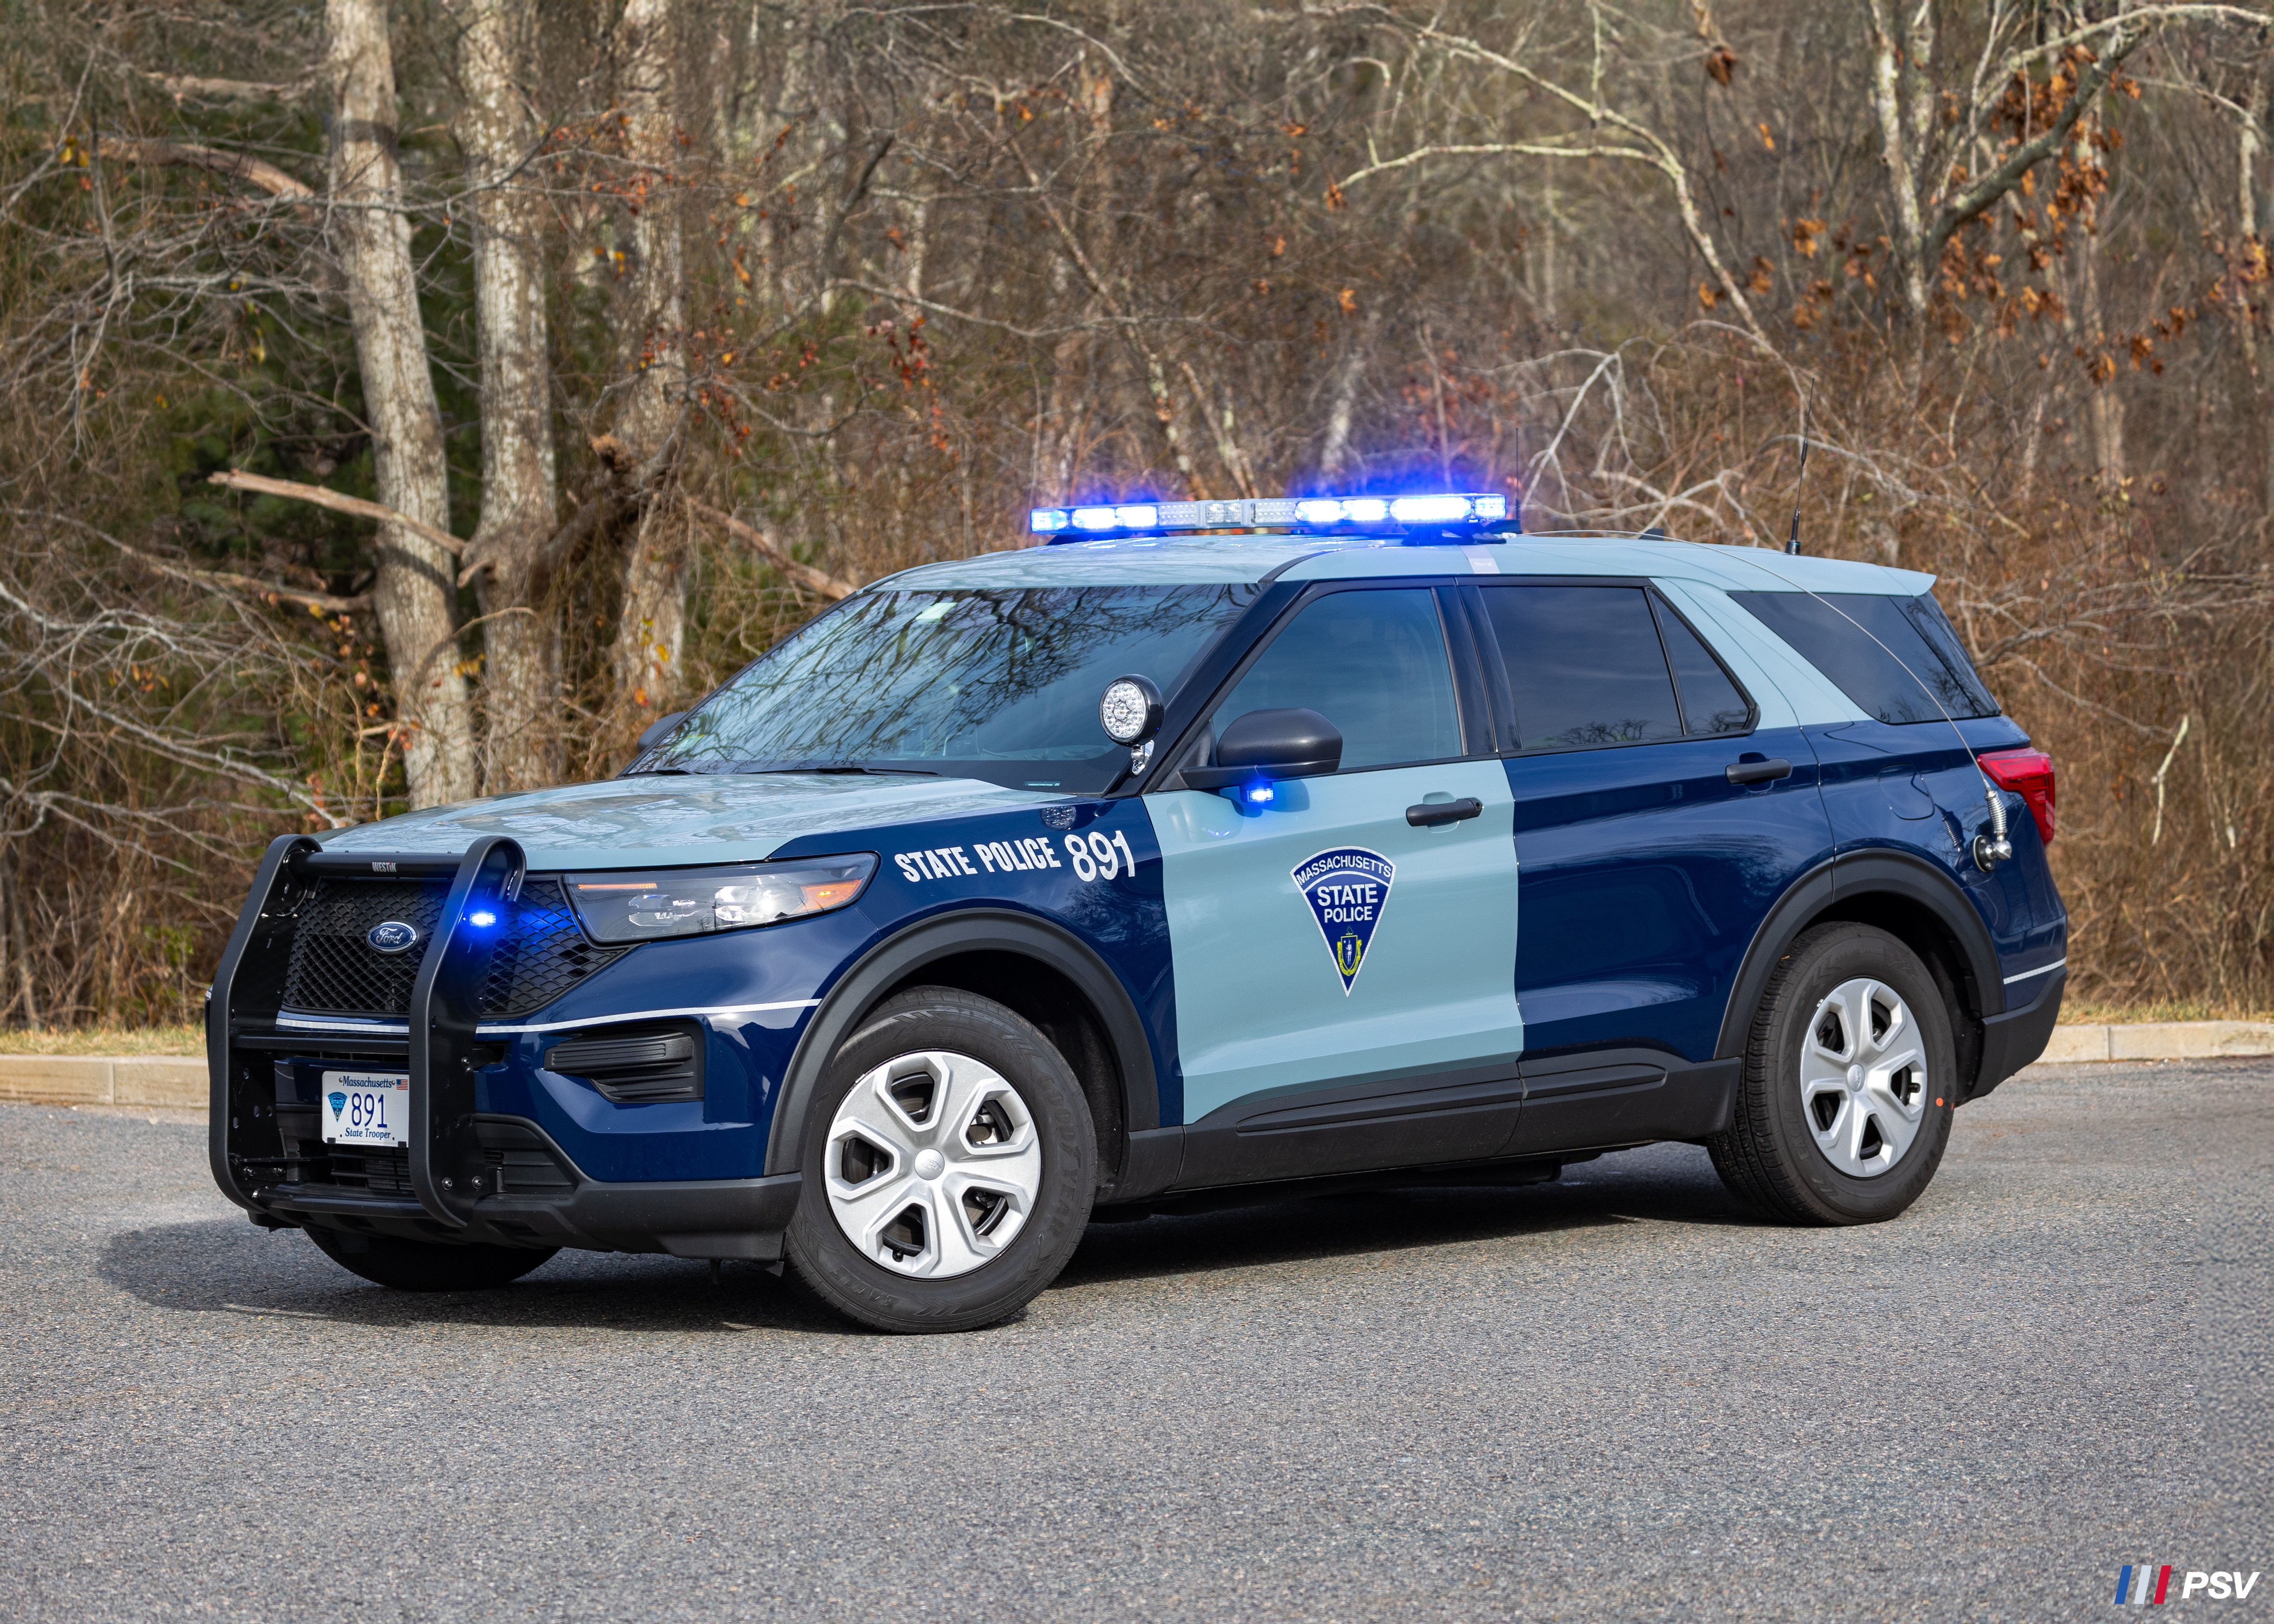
[
  {"x": 1257, "y": 795},
  {"x": 1477, "y": 509},
  {"x": 481, "y": 919}
]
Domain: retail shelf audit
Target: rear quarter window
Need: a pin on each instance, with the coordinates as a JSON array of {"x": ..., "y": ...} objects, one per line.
[{"x": 1899, "y": 658}]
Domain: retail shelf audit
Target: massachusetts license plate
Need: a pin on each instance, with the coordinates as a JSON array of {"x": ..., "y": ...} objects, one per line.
[{"x": 367, "y": 1107}]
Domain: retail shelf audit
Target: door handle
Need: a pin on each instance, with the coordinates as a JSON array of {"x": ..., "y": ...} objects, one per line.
[
  {"x": 1429, "y": 814},
  {"x": 1758, "y": 771}
]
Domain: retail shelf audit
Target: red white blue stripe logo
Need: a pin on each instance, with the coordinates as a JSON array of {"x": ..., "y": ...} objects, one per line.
[{"x": 2144, "y": 1585}]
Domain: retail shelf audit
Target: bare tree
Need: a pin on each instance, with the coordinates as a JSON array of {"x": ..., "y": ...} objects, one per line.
[
  {"x": 371, "y": 234},
  {"x": 651, "y": 628},
  {"x": 521, "y": 686}
]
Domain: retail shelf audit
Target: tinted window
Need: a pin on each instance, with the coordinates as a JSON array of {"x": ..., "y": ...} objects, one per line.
[
  {"x": 1885, "y": 653},
  {"x": 1001, "y": 685},
  {"x": 1374, "y": 663},
  {"x": 1584, "y": 667},
  {"x": 1711, "y": 703}
]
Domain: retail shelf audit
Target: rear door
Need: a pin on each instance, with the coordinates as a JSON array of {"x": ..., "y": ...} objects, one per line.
[
  {"x": 1644, "y": 870},
  {"x": 1343, "y": 989}
]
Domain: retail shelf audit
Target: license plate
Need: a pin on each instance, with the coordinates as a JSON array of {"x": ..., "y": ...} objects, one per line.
[{"x": 367, "y": 1107}]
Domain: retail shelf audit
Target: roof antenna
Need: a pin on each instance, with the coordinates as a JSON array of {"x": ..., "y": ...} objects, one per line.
[{"x": 1792, "y": 545}]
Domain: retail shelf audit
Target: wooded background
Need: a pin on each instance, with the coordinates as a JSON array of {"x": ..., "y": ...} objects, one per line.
[{"x": 560, "y": 358}]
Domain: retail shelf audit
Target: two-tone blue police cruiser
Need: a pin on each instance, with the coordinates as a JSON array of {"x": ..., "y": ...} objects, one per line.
[{"x": 1147, "y": 870}]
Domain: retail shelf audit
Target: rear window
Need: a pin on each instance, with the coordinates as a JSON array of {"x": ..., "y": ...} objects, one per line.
[
  {"x": 1585, "y": 666},
  {"x": 1894, "y": 656}
]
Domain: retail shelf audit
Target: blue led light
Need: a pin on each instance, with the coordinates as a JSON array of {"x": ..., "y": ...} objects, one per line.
[
  {"x": 481, "y": 919},
  {"x": 1365, "y": 509},
  {"x": 1259, "y": 794},
  {"x": 1429, "y": 509},
  {"x": 1490, "y": 507},
  {"x": 1321, "y": 510},
  {"x": 1046, "y": 521},
  {"x": 1095, "y": 519}
]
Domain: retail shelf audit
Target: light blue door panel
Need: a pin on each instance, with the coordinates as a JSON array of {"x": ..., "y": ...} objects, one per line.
[{"x": 1262, "y": 1008}]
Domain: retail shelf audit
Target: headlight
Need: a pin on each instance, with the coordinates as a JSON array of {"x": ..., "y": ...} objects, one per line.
[{"x": 693, "y": 902}]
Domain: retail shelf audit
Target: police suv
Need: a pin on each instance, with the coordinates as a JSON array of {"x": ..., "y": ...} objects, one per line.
[{"x": 1357, "y": 842}]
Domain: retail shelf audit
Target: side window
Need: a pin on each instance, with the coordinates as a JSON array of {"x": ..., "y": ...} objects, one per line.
[
  {"x": 1882, "y": 652},
  {"x": 1374, "y": 663},
  {"x": 1712, "y": 701},
  {"x": 1584, "y": 667}
]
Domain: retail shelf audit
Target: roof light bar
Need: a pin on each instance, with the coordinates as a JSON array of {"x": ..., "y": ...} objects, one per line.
[{"x": 1479, "y": 509}]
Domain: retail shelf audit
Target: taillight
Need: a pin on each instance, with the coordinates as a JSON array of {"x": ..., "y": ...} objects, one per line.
[{"x": 2029, "y": 774}]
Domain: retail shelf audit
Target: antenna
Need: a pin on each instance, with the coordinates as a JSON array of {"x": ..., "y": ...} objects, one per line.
[{"x": 1793, "y": 546}]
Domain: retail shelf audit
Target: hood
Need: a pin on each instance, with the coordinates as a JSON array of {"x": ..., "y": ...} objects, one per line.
[{"x": 652, "y": 820}]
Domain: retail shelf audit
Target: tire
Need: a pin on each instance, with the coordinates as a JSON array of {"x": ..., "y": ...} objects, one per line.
[
  {"x": 951, "y": 1107},
  {"x": 1825, "y": 1131},
  {"x": 426, "y": 1265}
]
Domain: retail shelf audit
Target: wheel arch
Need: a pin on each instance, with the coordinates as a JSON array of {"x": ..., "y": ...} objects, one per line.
[
  {"x": 1912, "y": 900},
  {"x": 1037, "y": 969}
]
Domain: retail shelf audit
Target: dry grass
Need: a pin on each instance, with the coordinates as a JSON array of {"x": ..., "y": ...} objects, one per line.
[
  {"x": 108, "y": 1041},
  {"x": 2085, "y": 1014}
]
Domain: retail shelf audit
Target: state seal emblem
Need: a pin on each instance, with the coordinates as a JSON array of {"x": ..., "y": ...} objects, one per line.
[{"x": 1347, "y": 889}]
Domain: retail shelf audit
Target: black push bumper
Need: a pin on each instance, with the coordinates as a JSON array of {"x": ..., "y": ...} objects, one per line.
[
  {"x": 464, "y": 1175},
  {"x": 2012, "y": 1040}
]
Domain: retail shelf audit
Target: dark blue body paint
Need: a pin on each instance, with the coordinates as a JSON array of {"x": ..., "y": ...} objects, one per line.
[{"x": 747, "y": 1052}]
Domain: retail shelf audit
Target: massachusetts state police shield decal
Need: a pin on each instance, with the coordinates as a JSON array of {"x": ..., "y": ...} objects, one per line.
[{"x": 1347, "y": 889}]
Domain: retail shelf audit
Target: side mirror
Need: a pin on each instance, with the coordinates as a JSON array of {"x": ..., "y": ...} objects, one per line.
[
  {"x": 656, "y": 732},
  {"x": 1271, "y": 744}
]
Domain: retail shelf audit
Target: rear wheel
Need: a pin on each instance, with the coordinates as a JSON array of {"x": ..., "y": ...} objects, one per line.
[
  {"x": 949, "y": 1167},
  {"x": 1844, "y": 1110},
  {"x": 425, "y": 1266}
]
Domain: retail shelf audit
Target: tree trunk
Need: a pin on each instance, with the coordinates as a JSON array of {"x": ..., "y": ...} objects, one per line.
[
  {"x": 415, "y": 593},
  {"x": 651, "y": 630},
  {"x": 2103, "y": 408},
  {"x": 2248, "y": 144},
  {"x": 520, "y": 687}
]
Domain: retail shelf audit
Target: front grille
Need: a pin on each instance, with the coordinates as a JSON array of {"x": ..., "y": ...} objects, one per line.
[
  {"x": 382, "y": 1172},
  {"x": 517, "y": 1158},
  {"x": 544, "y": 954},
  {"x": 334, "y": 971}
]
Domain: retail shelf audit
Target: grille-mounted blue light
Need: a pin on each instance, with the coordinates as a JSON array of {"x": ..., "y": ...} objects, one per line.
[{"x": 1477, "y": 510}]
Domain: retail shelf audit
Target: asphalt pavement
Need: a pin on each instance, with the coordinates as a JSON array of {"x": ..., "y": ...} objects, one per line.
[{"x": 1612, "y": 1398}]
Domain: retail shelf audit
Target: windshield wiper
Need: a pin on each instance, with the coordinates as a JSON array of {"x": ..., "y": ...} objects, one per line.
[{"x": 849, "y": 767}]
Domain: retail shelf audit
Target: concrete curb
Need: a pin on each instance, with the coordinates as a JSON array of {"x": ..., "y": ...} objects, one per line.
[
  {"x": 178, "y": 1082},
  {"x": 2168, "y": 1040}
]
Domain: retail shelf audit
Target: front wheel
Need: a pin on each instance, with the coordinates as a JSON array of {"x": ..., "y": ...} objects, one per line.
[
  {"x": 1850, "y": 1077},
  {"x": 950, "y": 1163},
  {"x": 426, "y": 1265}
]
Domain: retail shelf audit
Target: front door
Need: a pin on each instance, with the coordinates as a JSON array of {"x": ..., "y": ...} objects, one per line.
[{"x": 1344, "y": 996}]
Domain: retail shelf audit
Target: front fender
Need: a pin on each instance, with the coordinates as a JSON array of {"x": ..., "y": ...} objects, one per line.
[{"x": 973, "y": 930}]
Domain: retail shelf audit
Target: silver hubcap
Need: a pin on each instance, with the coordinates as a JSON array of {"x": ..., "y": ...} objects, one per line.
[
  {"x": 933, "y": 1164},
  {"x": 1863, "y": 1078}
]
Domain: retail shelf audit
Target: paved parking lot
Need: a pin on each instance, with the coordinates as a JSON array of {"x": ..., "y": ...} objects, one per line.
[{"x": 1611, "y": 1398}]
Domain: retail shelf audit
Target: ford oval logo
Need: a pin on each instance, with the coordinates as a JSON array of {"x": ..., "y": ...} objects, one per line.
[{"x": 392, "y": 937}]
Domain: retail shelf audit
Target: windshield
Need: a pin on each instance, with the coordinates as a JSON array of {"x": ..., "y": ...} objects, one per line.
[{"x": 1000, "y": 685}]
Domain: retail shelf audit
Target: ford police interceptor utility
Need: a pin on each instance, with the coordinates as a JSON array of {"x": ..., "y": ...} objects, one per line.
[{"x": 1149, "y": 869}]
